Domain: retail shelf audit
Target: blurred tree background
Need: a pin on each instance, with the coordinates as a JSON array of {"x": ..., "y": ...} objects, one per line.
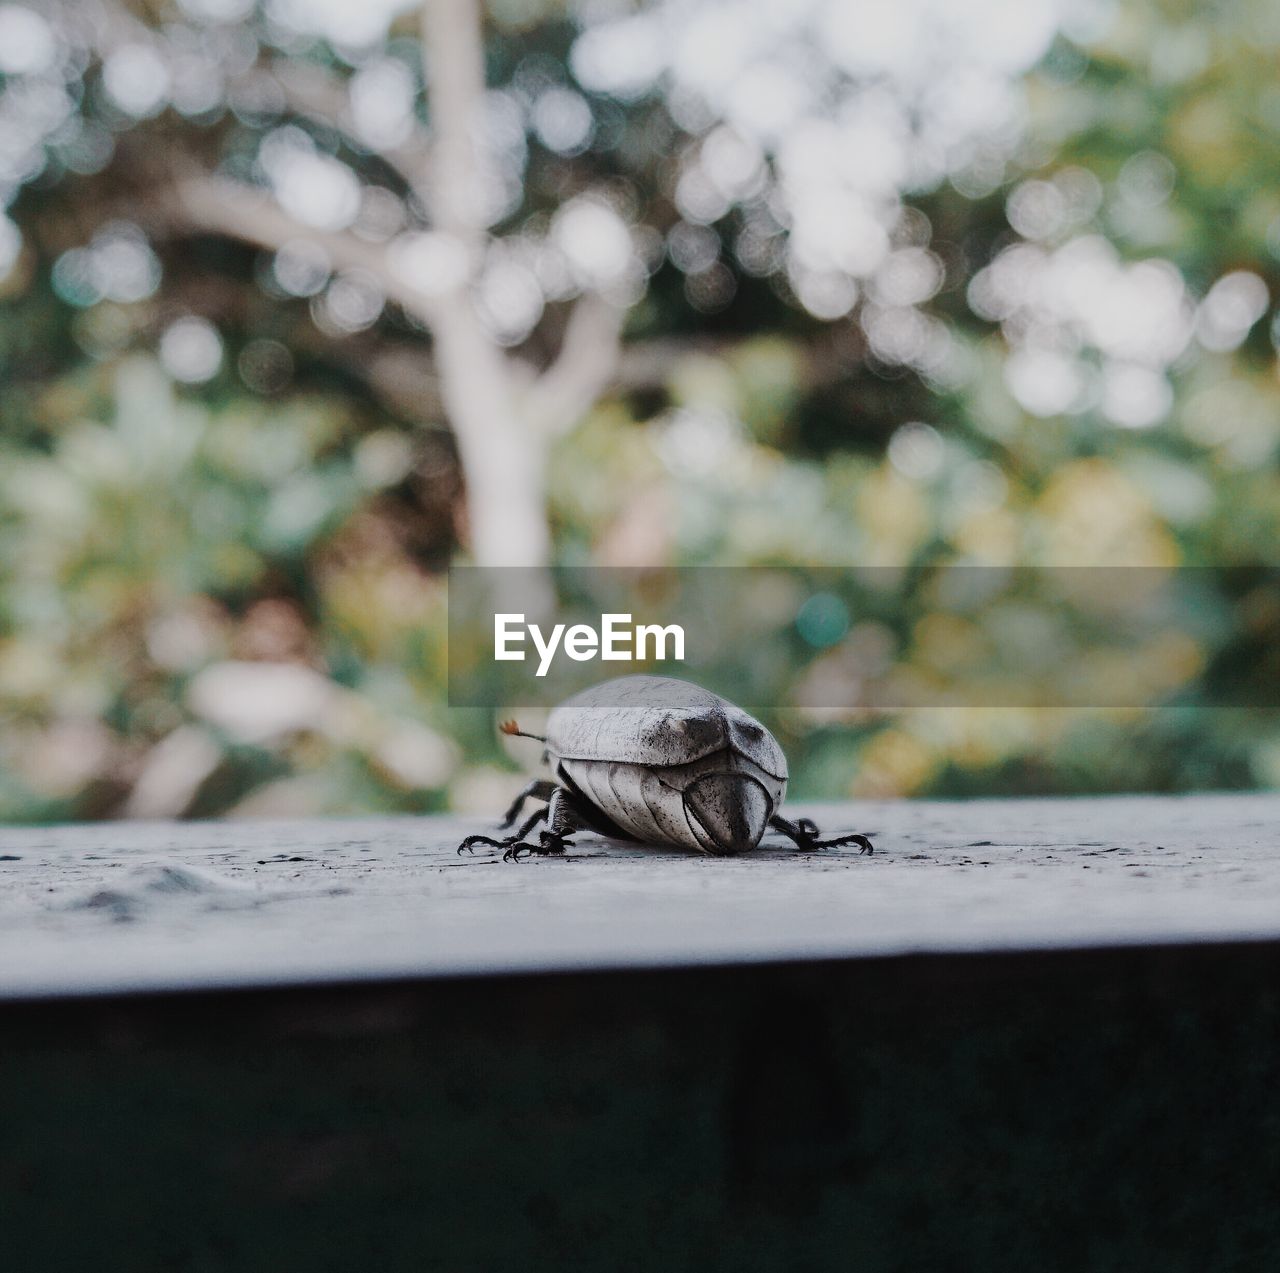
[{"x": 295, "y": 310}]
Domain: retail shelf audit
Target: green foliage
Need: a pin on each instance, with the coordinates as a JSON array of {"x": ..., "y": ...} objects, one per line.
[{"x": 160, "y": 541}]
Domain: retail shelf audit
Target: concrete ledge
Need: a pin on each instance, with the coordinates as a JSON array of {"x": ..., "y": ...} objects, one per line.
[
  {"x": 122, "y": 907},
  {"x": 1080, "y": 1110}
]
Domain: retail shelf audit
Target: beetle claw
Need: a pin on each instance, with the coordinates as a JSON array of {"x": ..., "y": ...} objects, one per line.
[
  {"x": 469, "y": 844},
  {"x": 803, "y": 833},
  {"x": 549, "y": 845},
  {"x": 864, "y": 845}
]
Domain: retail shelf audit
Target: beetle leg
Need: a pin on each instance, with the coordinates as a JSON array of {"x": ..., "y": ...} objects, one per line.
[
  {"x": 549, "y": 844},
  {"x": 468, "y": 845},
  {"x": 564, "y": 817},
  {"x": 803, "y": 832},
  {"x": 538, "y": 789}
]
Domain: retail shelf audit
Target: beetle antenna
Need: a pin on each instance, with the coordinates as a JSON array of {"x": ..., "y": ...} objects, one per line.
[{"x": 512, "y": 730}]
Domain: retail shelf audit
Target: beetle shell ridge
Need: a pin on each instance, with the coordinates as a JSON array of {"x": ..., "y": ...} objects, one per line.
[{"x": 657, "y": 720}]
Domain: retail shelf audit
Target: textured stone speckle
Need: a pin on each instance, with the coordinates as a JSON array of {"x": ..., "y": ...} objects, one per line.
[{"x": 117, "y": 906}]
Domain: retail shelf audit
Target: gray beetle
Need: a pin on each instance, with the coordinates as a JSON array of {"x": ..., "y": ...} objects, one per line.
[{"x": 652, "y": 758}]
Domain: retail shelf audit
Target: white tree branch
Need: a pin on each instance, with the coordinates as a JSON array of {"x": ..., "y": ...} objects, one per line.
[
  {"x": 503, "y": 459},
  {"x": 503, "y": 426},
  {"x": 217, "y": 205},
  {"x": 584, "y": 368},
  {"x": 314, "y": 93},
  {"x": 112, "y": 24},
  {"x": 453, "y": 63}
]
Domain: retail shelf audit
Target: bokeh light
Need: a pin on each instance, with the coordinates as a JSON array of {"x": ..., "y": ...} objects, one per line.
[
  {"x": 914, "y": 284},
  {"x": 191, "y": 350}
]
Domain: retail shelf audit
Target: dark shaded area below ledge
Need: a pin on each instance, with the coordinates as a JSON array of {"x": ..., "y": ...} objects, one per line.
[{"x": 1088, "y": 1110}]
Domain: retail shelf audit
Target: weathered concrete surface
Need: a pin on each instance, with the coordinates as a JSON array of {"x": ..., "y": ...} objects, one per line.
[{"x": 142, "y": 906}]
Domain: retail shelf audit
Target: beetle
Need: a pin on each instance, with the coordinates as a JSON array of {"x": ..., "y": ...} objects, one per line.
[{"x": 653, "y": 758}]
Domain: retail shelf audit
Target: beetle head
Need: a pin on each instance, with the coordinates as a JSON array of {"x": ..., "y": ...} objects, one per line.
[{"x": 728, "y": 811}]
